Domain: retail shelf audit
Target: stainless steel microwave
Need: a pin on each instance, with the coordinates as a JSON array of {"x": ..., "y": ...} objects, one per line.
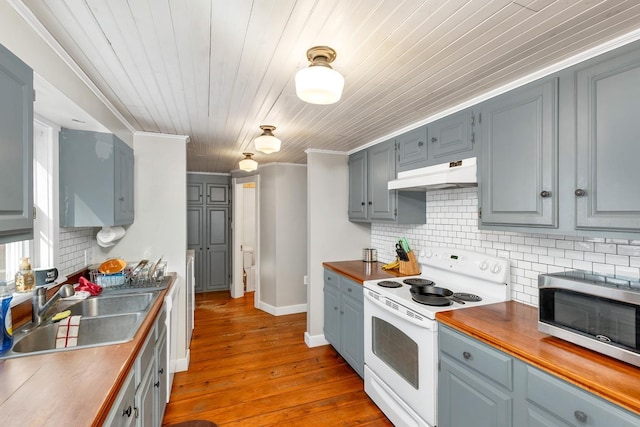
[{"x": 599, "y": 312}]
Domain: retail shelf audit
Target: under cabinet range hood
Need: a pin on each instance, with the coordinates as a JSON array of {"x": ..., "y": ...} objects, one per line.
[{"x": 461, "y": 173}]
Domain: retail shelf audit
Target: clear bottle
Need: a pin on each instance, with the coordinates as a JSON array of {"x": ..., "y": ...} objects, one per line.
[
  {"x": 6, "y": 327},
  {"x": 25, "y": 279}
]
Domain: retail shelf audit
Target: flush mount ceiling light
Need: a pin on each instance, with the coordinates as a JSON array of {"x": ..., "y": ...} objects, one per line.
[
  {"x": 248, "y": 164},
  {"x": 267, "y": 143},
  {"x": 319, "y": 83}
]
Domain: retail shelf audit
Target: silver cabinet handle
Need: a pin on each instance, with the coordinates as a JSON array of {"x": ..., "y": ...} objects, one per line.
[
  {"x": 434, "y": 139},
  {"x": 420, "y": 143},
  {"x": 466, "y": 355},
  {"x": 545, "y": 193},
  {"x": 580, "y": 192},
  {"x": 581, "y": 416}
]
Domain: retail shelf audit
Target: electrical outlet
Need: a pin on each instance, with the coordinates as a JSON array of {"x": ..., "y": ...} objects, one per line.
[{"x": 305, "y": 280}]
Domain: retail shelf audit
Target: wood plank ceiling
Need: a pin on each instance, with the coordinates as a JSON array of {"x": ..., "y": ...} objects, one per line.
[{"x": 218, "y": 69}]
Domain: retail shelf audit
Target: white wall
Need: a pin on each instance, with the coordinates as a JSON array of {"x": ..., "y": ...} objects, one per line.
[
  {"x": 160, "y": 225},
  {"x": 283, "y": 225},
  {"x": 331, "y": 237},
  {"x": 249, "y": 217},
  {"x": 452, "y": 220}
]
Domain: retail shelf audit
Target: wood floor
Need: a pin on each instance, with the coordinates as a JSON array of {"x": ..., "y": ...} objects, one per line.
[{"x": 249, "y": 368}]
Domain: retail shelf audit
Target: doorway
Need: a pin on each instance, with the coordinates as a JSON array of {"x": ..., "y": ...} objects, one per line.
[{"x": 246, "y": 237}]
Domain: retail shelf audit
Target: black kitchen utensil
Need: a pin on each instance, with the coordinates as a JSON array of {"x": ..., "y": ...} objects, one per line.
[
  {"x": 435, "y": 291},
  {"x": 402, "y": 255}
]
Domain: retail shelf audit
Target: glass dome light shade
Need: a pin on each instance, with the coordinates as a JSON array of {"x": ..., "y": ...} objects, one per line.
[
  {"x": 319, "y": 84},
  {"x": 267, "y": 143},
  {"x": 248, "y": 164}
]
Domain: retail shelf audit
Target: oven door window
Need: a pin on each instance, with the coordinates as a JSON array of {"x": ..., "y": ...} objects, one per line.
[{"x": 396, "y": 349}]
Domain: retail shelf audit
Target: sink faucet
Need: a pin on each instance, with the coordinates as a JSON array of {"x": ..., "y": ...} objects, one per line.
[{"x": 40, "y": 306}]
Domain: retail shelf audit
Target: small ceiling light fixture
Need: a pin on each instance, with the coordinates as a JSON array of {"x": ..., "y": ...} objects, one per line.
[
  {"x": 247, "y": 163},
  {"x": 319, "y": 83},
  {"x": 267, "y": 143}
]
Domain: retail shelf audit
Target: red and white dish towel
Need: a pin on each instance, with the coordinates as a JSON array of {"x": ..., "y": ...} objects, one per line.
[{"x": 68, "y": 332}]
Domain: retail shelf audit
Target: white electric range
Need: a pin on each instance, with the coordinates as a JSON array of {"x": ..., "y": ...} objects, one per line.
[{"x": 401, "y": 341}]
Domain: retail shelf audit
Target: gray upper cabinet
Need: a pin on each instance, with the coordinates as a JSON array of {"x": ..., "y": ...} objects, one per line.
[
  {"x": 412, "y": 149},
  {"x": 381, "y": 169},
  {"x": 519, "y": 157},
  {"x": 452, "y": 137},
  {"x": 16, "y": 156},
  {"x": 447, "y": 139},
  {"x": 369, "y": 197},
  {"x": 96, "y": 180},
  {"x": 608, "y": 144}
]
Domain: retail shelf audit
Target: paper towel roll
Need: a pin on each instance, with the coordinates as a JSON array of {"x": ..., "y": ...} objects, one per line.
[{"x": 109, "y": 235}]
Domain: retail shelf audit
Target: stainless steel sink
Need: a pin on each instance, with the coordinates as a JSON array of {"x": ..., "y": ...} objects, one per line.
[
  {"x": 106, "y": 320},
  {"x": 94, "y": 331},
  {"x": 113, "y": 304}
]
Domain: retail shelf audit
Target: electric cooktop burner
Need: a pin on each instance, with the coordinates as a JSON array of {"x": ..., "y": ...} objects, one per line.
[
  {"x": 390, "y": 284},
  {"x": 418, "y": 282},
  {"x": 467, "y": 297}
]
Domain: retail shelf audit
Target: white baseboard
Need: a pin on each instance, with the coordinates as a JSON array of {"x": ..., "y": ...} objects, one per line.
[
  {"x": 315, "y": 340},
  {"x": 280, "y": 311},
  {"x": 183, "y": 363}
]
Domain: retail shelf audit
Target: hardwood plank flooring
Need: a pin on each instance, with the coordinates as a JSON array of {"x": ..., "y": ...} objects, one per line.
[{"x": 249, "y": 368}]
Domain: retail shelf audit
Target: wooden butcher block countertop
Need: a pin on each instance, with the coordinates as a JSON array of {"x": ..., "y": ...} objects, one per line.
[
  {"x": 69, "y": 388},
  {"x": 359, "y": 271},
  {"x": 513, "y": 328}
]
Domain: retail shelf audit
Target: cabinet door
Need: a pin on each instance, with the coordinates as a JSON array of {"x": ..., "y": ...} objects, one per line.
[
  {"x": 124, "y": 185},
  {"x": 451, "y": 136},
  {"x": 352, "y": 333},
  {"x": 195, "y": 241},
  {"x": 518, "y": 182},
  {"x": 145, "y": 397},
  {"x": 381, "y": 168},
  {"x": 358, "y": 209},
  {"x": 217, "y": 194},
  {"x": 161, "y": 379},
  {"x": 16, "y": 156},
  {"x": 465, "y": 399},
  {"x": 332, "y": 315},
  {"x": 195, "y": 193},
  {"x": 122, "y": 413},
  {"x": 217, "y": 249},
  {"x": 412, "y": 149},
  {"x": 608, "y": 145}
]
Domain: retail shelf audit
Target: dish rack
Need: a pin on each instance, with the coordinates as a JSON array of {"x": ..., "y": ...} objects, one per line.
[{"x": 130, "y": 277}]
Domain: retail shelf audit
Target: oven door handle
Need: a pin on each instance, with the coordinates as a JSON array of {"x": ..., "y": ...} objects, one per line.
[{"x": 416, "y": 318}]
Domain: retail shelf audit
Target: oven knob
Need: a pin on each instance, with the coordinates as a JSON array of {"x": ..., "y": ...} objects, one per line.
[
  {"x": 484, "y": 265},
  {"x": 495, "y": 269},
  {"x": 428, "y": 254}
]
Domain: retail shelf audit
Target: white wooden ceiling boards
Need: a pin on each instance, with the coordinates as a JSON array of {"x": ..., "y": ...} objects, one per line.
[{"x": 218, "y": 69}]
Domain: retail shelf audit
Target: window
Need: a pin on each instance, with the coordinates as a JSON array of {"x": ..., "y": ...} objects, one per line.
[{"x": 42, "y": 249}]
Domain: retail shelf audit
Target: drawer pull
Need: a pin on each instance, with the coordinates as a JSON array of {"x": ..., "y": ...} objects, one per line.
[
  {"x": 161, "y": 371},
  {"x": 127, "y": 412},
  {"x": 466, "y": 355},
  {"x": 349, "y": 290},
  {"x": 581, "y": 416},
  {"x": 156, "y": 384}
]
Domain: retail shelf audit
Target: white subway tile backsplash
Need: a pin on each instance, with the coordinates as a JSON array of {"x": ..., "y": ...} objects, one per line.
[
  {"x": 75, "y": 249},
  {"x": 452, "y": 221}
]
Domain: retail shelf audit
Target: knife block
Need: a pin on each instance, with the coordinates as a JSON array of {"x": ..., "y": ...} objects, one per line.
[{"x": 410, "y": 267}]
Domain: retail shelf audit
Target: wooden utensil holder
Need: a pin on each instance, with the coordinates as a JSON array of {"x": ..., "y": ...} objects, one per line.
[{"x": 410, "y": 267}]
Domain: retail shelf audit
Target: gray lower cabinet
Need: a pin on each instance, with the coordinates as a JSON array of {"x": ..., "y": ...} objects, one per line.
[
  {"x": 208, "y": 230},
  {"x": 481, "y": 386},
  {"x": 518, "y": 166},
  {"x": 369, "y": 197},
  {"x": 344, "y": 318},
  {"x": 143, "y": 397},
  {"x": 16, "y": 156},
  {"x": 608, "y": 144},
  {"x": 96, "y": 180}
]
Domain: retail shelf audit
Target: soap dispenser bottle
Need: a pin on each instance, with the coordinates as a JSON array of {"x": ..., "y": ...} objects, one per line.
[
  {"x": 25, "y": 279},
  {"x": 6, "y": 328}
]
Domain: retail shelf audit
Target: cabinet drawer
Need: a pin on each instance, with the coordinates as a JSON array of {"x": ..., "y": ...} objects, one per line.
[
  {"x": 331, "y": 278},
  {"x": 573, "y": 405},
  {"x": 491, "y": 363},
  {"x": 123, "y": 412},
  {"x": 352, "y": 289}
]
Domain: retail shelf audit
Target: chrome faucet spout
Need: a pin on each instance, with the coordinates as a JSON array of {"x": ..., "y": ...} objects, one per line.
[{"x": 40, "y": 306}]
